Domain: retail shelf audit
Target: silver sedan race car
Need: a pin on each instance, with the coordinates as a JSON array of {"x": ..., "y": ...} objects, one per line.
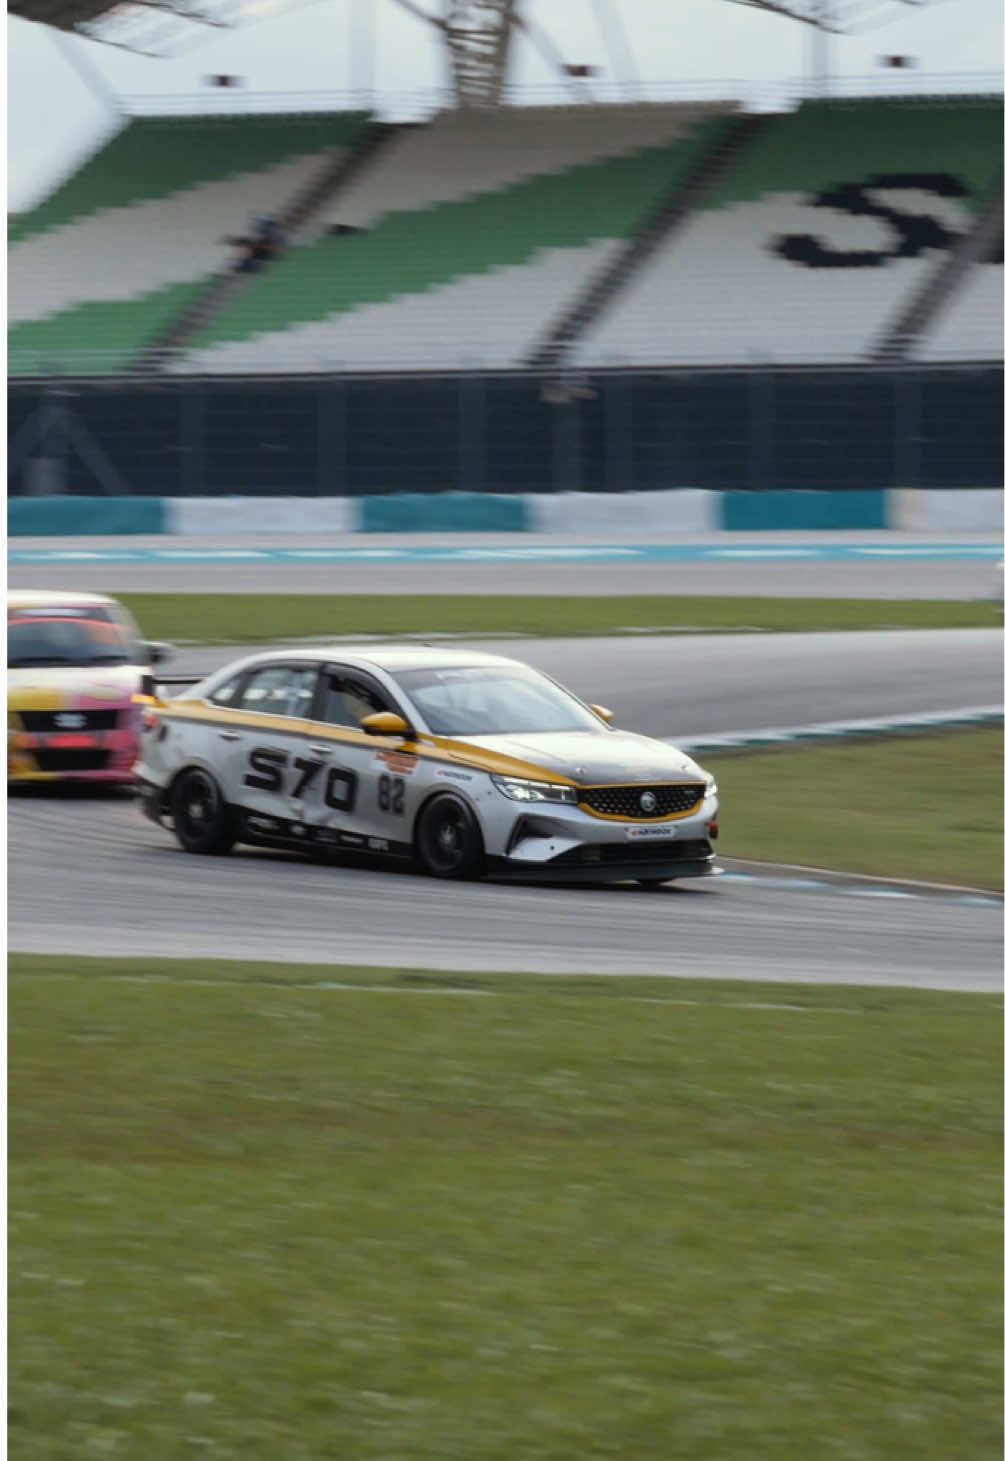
[{"x": 466, "y": 762}]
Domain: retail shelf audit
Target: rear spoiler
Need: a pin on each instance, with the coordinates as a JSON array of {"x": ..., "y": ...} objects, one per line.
[{"x": 151, "y": 683}]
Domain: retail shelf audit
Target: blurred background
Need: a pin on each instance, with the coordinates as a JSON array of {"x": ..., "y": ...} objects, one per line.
[{"x": 374, "y": 246}]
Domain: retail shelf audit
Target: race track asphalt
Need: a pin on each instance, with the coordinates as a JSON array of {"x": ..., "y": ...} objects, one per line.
[
  {"x": 90, "y": 876},
  {"x": 899, "y": 565}
]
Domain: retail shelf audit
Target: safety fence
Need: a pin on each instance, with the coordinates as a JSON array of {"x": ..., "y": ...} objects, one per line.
[{"x": 723, "y": 430}]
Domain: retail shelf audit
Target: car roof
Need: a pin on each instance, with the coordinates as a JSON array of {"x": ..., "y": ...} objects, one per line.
[
  {"x": 393, "y": 658},
  {"x": 24, "y": 598}
]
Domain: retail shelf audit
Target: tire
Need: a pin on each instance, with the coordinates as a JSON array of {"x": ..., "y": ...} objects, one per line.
[
  {"x": 448, "y": 840},
  {"x": 203, "y": 822}
]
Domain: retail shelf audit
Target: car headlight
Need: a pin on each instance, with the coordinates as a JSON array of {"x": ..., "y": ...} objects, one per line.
[
  {"x": 534, "y": 791},
  {"x": 710, "y": 787}
]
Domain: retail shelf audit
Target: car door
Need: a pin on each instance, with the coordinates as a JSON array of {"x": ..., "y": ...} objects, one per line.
[
  {"x": 364, "y": 796},
  {"x": 260, "y": 738}
]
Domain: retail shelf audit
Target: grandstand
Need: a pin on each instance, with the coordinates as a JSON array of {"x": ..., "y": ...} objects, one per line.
[
  {"x": 474, "y": 239},
  {"x": 703, "y": 292},
  {"x": 125, "y": 244},
  {"x": 811, "y": 244},
  {"x": 474, "y": 229}
]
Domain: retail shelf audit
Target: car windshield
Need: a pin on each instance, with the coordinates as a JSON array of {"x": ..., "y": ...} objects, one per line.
[
  {"x": 485, "y": 700},
  {"x": 66, "y": 637}
]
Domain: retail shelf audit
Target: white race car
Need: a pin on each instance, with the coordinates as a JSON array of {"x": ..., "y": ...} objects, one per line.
[{"x": 467, "y": 762}]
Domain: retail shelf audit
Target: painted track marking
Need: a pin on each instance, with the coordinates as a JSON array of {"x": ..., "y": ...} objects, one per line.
[{"x": 595, "y": 552}]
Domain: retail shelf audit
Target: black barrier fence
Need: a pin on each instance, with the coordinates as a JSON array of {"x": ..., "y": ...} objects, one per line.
[{"x": 613, "y": 431}]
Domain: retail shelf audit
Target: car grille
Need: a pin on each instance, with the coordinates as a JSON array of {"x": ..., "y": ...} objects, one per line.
[
  {"x": 619, "y": 854},
  {"x": 47, "y": 722},
  {"x": 625, "y": 801},
  {"x": 60, "y": 761}
]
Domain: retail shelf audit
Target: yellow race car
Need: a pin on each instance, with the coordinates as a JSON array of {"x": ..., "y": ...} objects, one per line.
[{"x": 74, "y": 663}]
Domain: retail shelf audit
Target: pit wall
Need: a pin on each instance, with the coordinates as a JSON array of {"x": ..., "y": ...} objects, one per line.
[{"x": 577, "y": 514}]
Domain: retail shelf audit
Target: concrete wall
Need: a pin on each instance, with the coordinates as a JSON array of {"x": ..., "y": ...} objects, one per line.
[{"x": 582, "y": 514}]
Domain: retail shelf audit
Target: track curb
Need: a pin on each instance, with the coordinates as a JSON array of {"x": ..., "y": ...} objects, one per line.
[
  {"x": 840, "y": 730},
  {"x": 790, "y": 871}
]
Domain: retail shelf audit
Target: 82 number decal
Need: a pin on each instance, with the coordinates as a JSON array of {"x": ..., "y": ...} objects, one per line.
[
  {"x": 266, "y": 774},
  {"x": 391, "y": 795}
]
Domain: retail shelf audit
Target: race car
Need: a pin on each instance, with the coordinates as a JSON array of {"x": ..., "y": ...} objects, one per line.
[
  {"x": 468, "y": 763},
  {"x": 74, "y": 663}
]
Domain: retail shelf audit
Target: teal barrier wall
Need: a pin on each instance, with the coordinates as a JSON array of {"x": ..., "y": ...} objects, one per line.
[
  {"x": 446, "y": 512},
  {"x": 809, "y": 511},
  {"x": 57, "y": 517},
  {"x": 475, "y": 512}
]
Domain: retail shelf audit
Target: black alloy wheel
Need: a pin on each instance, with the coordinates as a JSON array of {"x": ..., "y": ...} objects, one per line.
[
  {"x": 448, "y": 839},
  {"x": 203, "y": 822}
]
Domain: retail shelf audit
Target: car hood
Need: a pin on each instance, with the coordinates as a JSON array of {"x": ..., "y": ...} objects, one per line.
[
  {"x": 73, "y": 687},
  {"x": 586, "y": 757}
]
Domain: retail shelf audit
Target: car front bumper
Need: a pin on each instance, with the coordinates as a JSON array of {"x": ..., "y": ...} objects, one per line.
[
  {"x": 612, "y": 869},
  {"x": 559, "y": 843},
  {"x": 106, "y": 757}
]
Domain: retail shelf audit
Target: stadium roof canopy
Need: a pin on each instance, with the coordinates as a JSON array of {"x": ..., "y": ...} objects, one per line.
[{"x": 476, "y": 33}]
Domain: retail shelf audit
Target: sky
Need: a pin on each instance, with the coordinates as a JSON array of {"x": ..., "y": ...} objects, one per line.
[{"x": 65, "y": 94}]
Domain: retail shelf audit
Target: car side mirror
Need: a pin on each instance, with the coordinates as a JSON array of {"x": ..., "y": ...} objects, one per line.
[
  {"x": 385, "y": 723},
  {"x": 603, "y": 712},
  {"x": 157, "y": 651}
]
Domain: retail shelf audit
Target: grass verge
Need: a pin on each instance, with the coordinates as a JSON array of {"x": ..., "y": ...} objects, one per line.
[
  {"x": 926, "y": 807},
  {"x": 252, "y": 618},
  {"x": 572, "y": 1218}
]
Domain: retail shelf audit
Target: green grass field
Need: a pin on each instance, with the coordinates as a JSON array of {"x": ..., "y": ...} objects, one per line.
[
  {"x": 251, "y": 618},
  {"x": 492, "y": 1217},
  {"x": 926, "y": 807}
]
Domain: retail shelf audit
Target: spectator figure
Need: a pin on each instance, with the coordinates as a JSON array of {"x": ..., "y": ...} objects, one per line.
[{"x": 264, "y": 240}]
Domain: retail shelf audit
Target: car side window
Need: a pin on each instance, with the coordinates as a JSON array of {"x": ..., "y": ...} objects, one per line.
[
  {"x": 346, "y": 699},
  {"x": 226, "y": 693},
  {"x": 279, "y": 690}
]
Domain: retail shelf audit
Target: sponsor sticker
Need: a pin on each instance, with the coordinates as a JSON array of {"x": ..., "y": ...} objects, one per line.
[
  {"x": 399, "y": 761},
  {"x": 667, "y": 833},
  {"x": 109, "y": 692},
  {"x": 449, "y": 774},
  {"x": 377, "y": 844}
]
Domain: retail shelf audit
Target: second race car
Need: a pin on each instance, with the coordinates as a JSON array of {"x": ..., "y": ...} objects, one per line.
[
  {"x": 469, "y": 763},
  {"x": 74, "y": 663}
]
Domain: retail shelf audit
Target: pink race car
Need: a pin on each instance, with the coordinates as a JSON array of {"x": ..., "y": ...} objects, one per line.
[{"x": 74, "y": 663}]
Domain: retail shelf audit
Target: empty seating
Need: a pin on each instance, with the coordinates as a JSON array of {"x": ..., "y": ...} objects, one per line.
[
  {"x": 115, "y": 253},
  {"x": 461, "y": 242},
  {"x": 808, "y": 247},
  {"x": 476, "y": 229},
  {"x": 969, "y": 326}
]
